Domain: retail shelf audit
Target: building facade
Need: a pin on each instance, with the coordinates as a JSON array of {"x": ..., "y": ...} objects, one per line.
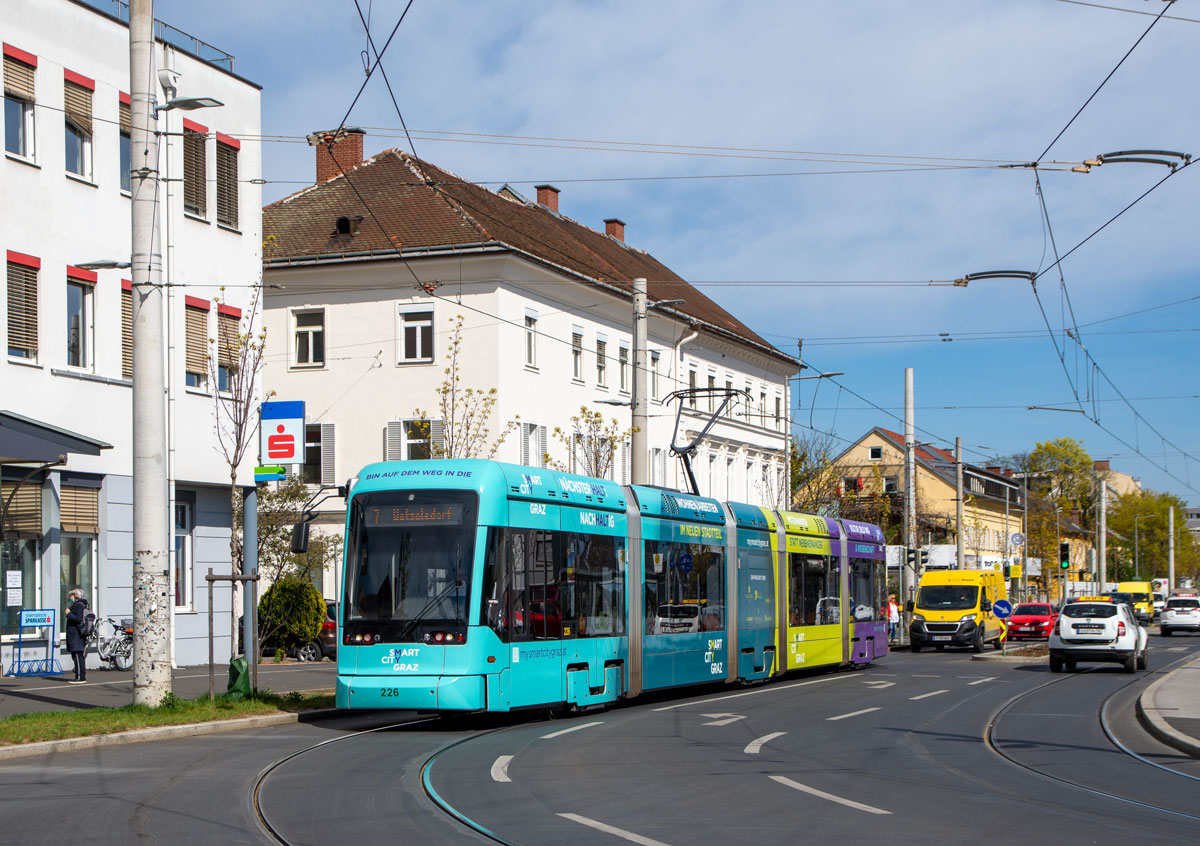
[
  {"x": 67, "y": 331},
  {"x": 373, "y": 273}
]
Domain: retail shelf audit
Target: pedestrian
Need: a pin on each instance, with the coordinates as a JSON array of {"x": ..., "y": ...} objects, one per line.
[
  {"x": 893, "y": 610},
  {"x": 76, "y": 642}
]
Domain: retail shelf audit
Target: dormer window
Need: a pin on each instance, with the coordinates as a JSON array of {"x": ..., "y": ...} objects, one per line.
[{"x": 347, "y": 225}]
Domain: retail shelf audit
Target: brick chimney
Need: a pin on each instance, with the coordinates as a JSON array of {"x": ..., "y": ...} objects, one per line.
[
  {"x": 995, "y": 470},
  {"x": 1008, "y": 472},
  {"x": 1101, "y": 466},
  {"x": 347, "y": 152},
  {"x": 1076, "y": 516},
  {"x": 615, "y": 228},
  {"x": 547, "y": 195}
]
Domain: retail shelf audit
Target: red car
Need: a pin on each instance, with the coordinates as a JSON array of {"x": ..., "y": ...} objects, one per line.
[{"x": 1031, "y": 620}]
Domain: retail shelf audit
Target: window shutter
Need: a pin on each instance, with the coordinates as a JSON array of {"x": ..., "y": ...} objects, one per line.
[
  {"x": 23, "y": 308},
  {"x": 196, "y": 359},
  {"x": 541, "y": 445},
  {"x": 24, "y": 513},
  {"x": 227, "y": 338},
  {"x": 393, "y": 441},
  {"x": 126, "y": 118},
  {"x": 437, "y": 439},
  {"x": 227, "y": 185},
  {"x": 328, "y": 468},
  {"x": 195, "y": 172},
  {"x": 18, "y": 78},
  {"x": 77, "y": 102},
  {"x": 79, "y": 509},
  {"x": 127, "y": 334},
  {"x": 526, "y": 433}
]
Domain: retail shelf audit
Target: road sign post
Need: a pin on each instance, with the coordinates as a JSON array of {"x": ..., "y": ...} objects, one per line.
[{"x": 1002, "y": 608}]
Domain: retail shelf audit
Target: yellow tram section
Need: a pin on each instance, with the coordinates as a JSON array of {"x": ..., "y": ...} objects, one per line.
[{"x": 812, "y": 636}]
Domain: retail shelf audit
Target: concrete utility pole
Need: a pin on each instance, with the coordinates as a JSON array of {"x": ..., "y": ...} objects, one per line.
[
  {"x": 1170, "y": 549},
  {"x": 638, "y": 461},
  {"x": 959, "y": 544},
  {"x": 1102, "y": 531},
  {"x": 151, "y": 603},
  {"x": 910, "y": 507}
]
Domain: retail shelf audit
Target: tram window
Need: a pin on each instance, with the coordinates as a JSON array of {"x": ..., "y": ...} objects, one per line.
[
  {"x": 813, "y": 597},
  {"x": 866, "y": 590},
  {"x": 541, "y": 585},
  {"x": 686, "y": 593},
  {"x": 757, "y": 603}
]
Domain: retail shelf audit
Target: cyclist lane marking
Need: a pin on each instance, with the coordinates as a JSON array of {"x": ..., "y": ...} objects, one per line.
[
  {"x": 821, "y": 794},
  {"x": 851, "y": 714},
  {"x": 500, "y": 769},
  {"x": 753, "y": 747},
  {"x": 609, "y": 829}
]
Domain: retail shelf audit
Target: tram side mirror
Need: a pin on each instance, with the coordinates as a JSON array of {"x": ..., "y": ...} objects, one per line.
[
  {"x": 300, "y": 537},
  {"x": 493, "y": 613},
  {"x": 908, "y": 606}
]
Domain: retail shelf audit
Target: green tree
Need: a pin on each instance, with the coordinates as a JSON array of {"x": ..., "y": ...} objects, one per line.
[
  {"x": 1150, "y": 543},
  {"x": 293, "y": 610},
  {"x": 1061, "y": 470},
  {"x": 591, "y": 443}
]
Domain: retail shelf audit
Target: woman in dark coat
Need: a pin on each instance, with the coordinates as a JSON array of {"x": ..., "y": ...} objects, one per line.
[{"x": 76, "y": 642}]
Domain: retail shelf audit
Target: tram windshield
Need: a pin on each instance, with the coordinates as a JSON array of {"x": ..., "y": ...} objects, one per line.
[
  {"x": 947, "y": 597},
  {"x": 408, "y": 567}
]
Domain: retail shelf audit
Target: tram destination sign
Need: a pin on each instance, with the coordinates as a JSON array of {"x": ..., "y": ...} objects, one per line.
[{"x": 413, "y": 514}]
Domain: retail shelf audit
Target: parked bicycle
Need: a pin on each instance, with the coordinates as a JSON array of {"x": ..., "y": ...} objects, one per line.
[{"x": 117, "y": 647}]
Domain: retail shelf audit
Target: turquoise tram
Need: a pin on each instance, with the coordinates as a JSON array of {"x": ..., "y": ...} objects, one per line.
[{"x": 473, "y": 585}]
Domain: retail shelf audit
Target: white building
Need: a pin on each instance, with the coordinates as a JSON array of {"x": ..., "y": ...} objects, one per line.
[
  {"x": 361, "y": 300},
  {"x": 65, "y": 380}
]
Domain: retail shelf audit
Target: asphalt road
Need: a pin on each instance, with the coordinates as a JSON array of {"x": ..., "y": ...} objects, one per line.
[{"x": 900, "y": 751}]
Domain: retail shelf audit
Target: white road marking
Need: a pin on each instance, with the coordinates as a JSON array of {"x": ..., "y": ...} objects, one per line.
[
  {"x": 927, "y": 695},
  {"x": 717, "y": 721},
  {"x": 849, "y": 803},
  {"x": 851, "y": 714},
  {"x": 769, "y": 689},
  {"x": 753, "y": 747},
  {"x": 981, "y": 681},
  {"x": 608, "y": 829},
  {"x": 500, "y": 769},
  {"x": 923, "y": 676},
  {"x": 1177, "y": 649},
  {"x": 571, "y": 729},
  {"x": 879, "y": 685}
]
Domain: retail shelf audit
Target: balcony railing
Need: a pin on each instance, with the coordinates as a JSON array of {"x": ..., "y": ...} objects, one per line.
[{"x": 169, "y": 34}]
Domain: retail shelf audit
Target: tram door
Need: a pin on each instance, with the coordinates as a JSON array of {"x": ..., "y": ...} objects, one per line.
[{"x": 536, "y": 651}]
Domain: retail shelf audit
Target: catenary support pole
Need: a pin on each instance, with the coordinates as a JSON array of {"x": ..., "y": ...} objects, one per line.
[
  {"x": 639, "y": 459},
  {"x": 908, "y": 579},
  {"x": 250, "y": 568},
  {"x": 151, "y": 603},
  {"x": 959, "y": 543},
  {"x": 1170, "y": 549},
  {"x": 1102, "y": 536}
]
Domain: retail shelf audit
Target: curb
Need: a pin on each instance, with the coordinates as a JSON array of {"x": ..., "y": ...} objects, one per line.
[
  {"x": 72, "y": 744},
  {"x": 1148, "y": 716}
]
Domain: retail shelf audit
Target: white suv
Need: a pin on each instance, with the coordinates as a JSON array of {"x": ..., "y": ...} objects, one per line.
[
  {"x": 1182, "y": 614},
  {"x": 1098, "y": 630}
]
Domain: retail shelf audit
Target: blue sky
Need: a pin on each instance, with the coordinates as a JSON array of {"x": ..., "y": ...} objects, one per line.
[{"x": 867, "y": 136}]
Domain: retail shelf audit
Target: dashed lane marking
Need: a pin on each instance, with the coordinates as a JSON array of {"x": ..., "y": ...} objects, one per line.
[
  {"x": 812, "y": 791},
  {"x": 981, "y": 681},
  {"x": 927, "y": 695},
  {"x": 851, "y": 714},
  {"x": 610, "y": 829},
  {"x": 753, "y": 747},
  {"x": 878, "y": 685},
  {"x": 500, "y": 769},
  {"x": 571, "y": 729}
]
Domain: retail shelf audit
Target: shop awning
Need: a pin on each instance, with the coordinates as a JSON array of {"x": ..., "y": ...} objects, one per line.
[{"x": 23, "y": 440}]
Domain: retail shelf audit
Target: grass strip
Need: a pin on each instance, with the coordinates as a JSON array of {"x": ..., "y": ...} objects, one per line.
[{"x": 58, "y": 725}]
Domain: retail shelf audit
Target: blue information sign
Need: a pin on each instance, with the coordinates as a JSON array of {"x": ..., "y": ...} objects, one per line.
[
  {"x": 685, "y": 563},
  {"x": 1002, "y": 608}
]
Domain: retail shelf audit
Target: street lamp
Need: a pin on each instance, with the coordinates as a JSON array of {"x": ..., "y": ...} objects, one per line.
[
  {"x": 1136, "y": 570},
  {"x": 187, "y": 104},
  {"x": 104, "y": 264}
]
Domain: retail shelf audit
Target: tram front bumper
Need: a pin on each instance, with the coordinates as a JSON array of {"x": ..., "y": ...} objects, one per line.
[{"x": 419, "y": 693}]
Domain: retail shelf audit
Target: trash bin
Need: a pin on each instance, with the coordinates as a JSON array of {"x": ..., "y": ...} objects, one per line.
[{"x": 239, "y": 679}]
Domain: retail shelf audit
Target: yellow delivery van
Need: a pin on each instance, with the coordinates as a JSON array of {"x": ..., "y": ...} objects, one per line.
[
  {"x": 954, "y": 608},
  {"x": 1140, "y": 596}
]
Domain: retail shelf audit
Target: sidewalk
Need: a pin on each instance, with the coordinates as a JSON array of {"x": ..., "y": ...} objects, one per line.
[
  {"x": 1170, "y": 708},
  {"x": 112, "y": 688}
]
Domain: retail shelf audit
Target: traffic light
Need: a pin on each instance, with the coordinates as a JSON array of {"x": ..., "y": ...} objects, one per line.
[
  {"x": 924, "y": 558},
  {"x": 1064, "y": 555},
  {"x": 910, "y": 556},
  {"x": 1007, "y": 572}
]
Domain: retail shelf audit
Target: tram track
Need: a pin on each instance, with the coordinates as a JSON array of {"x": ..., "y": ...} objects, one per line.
[{"x": 1105, "y": 726}]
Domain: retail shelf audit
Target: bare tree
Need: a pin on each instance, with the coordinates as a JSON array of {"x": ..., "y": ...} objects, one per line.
[
  {"x": 591, "y": 444},
  {"x": 234, "y": 368},
  {"x": 465, "y": 413}
]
